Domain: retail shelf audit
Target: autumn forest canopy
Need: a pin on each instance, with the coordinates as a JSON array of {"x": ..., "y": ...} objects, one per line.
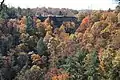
[{"x": 85, "y": 45}]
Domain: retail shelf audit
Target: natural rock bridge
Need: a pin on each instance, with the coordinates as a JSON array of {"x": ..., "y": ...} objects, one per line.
[{"x": 59, "y": 20}]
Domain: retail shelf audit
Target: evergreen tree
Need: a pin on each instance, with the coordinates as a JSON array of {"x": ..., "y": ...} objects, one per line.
[
  {"x": 41, "y": 47},
  {"x": 30, "y": 29}
]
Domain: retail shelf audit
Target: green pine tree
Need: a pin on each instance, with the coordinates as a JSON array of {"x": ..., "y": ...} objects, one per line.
[
  {"x": 30, "y": 29},
  {"x": 41, "y": 47}
]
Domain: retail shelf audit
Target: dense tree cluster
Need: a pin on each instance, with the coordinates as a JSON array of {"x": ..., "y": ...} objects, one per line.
[{"x": 34, "y": 50}]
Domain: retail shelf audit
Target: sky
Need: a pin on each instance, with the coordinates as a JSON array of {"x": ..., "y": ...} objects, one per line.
[{"x": 72, "y": 4}]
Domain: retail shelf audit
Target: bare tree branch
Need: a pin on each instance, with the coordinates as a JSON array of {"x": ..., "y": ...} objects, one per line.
[
  {"x": 118, "y": 1},
  {"x": 1, "y": 5}
]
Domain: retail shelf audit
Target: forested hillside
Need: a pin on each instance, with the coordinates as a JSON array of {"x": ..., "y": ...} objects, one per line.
[{"x": 31, "y": 49}]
